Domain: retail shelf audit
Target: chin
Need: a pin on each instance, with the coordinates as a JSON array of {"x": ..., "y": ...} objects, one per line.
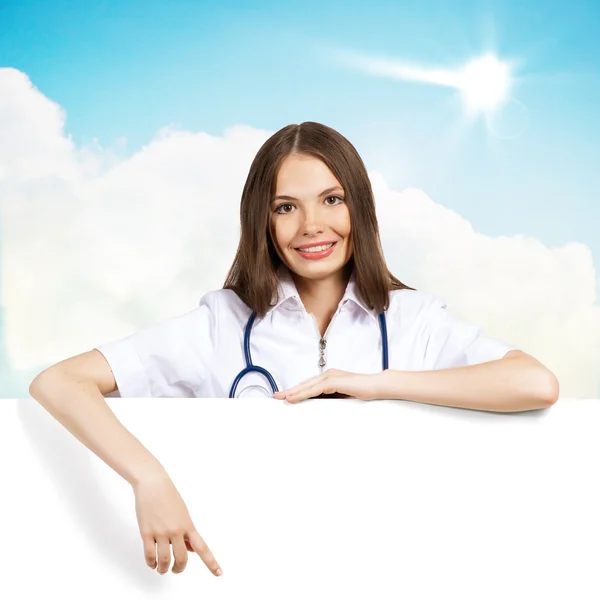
[{"x": 316, "y": 269}]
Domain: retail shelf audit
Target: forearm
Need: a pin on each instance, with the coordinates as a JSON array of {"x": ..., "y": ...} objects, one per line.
[
  {"x": 505, "y": 385},
  {"x": 80, "y": 407}
]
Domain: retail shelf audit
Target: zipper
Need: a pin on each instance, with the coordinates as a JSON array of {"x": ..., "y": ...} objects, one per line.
[{"x": 322, "y": 341}]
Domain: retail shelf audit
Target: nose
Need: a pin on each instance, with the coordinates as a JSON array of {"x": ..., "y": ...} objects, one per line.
[{"x": 313, "y": 221}]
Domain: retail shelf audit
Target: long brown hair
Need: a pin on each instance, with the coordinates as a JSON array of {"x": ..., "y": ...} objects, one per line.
[{"x": 253, "y": 274}]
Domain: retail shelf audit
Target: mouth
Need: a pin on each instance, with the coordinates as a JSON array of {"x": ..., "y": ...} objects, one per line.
[{"x": 316, "y": 252}]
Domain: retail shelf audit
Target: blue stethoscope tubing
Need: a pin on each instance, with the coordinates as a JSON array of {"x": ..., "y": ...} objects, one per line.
[{"x": 250, "y": 367}]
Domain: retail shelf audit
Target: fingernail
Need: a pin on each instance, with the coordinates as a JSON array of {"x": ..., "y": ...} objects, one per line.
[{"x": 219, "y": 572}]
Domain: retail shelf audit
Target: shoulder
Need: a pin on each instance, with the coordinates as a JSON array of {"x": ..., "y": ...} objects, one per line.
[
  {"x": 225, "y": 304},
  {"x": 408, "y": 306}
]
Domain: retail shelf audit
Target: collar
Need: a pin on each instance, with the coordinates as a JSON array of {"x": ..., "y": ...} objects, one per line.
[{"x": 287, "y": 292}]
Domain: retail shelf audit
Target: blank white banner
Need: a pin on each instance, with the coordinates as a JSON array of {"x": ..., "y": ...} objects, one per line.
[{"x": 328, "y": 498}]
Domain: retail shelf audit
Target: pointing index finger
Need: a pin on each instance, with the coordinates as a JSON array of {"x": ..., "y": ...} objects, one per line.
[{"x": 203, "y": 551}]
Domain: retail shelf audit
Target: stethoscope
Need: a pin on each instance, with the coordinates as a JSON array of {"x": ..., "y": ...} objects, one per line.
[{"x": 250, "y": 367}]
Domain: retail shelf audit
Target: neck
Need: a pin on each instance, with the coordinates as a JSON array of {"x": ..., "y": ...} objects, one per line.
[{"x": 321, "y": 297}]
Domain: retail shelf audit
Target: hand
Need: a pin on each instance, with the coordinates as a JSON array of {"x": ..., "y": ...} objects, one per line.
[
  {"x": 164, "y": 520},
  {"x": 346, "y": 384}
]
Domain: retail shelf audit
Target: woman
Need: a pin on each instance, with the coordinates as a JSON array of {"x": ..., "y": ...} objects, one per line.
[{"x": 309, "y": 309}]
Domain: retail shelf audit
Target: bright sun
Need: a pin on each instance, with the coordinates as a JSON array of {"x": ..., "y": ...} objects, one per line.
[{"x": 484, "y": 83}]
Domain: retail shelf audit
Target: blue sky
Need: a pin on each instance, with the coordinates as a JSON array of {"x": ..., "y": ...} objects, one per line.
[
  {"x": 130, "y": 68},
  {"x": 124, "y": 70}
]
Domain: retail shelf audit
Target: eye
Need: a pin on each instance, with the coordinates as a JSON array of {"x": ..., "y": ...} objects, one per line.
[{"x": 278, "y": 211}]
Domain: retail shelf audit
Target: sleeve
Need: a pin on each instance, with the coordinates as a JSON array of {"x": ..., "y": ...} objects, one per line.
[
  {"x": 166, "y": 360},
  {"x": 450, "y": 342}
]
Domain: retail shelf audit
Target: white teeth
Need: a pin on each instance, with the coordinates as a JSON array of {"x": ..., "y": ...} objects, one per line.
[{"x": 316, "y": 248}]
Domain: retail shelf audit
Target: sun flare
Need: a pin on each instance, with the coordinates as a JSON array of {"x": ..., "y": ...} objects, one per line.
[{"x": 484, "y": 83}]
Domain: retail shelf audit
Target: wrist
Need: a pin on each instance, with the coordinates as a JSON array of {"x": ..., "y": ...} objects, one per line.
[
  {"x": 383, "y": 385},
  {"x": 148, "y": 473}
]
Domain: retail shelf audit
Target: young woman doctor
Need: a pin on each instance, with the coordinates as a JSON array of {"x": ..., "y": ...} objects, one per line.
[{"x": 308, "y": 309}]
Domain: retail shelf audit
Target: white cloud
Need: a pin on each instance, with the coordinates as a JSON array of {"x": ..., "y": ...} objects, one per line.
[{"x": 96, "y": 246}]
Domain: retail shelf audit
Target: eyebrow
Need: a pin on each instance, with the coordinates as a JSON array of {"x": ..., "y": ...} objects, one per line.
[{"x": 323, "y": 193}]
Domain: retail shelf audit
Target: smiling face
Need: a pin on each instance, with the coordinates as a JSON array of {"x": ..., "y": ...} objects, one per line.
[{"x": 313, "y": 212}]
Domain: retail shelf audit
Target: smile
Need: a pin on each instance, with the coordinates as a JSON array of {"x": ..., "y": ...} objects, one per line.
[
  {"x": 316, "y": 248},
  {"x": 316, "y": 252}
]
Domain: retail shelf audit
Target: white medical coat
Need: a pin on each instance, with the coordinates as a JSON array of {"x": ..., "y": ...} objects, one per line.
[{"x": 199, "y": 354}]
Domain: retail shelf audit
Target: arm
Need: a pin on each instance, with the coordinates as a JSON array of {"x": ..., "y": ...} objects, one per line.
[
  {"x": 76, "y": 401},
  {"x": 516, "y": 382},
  {"x": 72, "y": 392}
]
